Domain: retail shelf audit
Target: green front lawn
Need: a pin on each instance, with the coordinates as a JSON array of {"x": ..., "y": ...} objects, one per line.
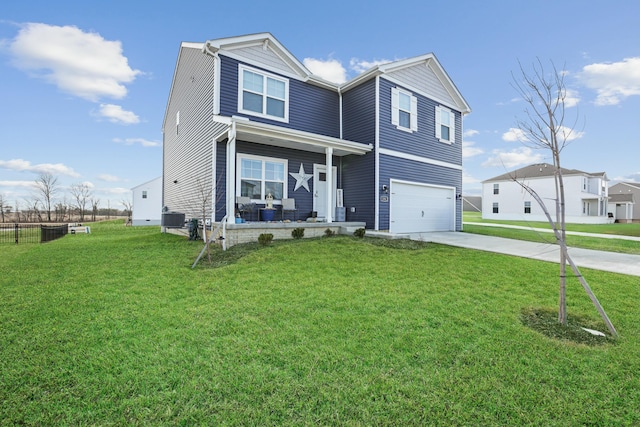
[{"x": 114, "y": 328}]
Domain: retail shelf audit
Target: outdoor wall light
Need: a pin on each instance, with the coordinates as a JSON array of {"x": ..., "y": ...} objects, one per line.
[
  {"x": 458, "y": 196},
  {"x": 385, "y": 189}
]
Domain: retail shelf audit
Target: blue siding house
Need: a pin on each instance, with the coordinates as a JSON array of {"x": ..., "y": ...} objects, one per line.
[{"x": 246, "y": 119}]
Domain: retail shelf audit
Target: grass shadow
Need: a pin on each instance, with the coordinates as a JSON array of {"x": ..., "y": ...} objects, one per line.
[{"x": 545, "y": 322}]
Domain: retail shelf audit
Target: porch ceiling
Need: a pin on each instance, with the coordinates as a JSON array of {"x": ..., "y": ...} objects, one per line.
[{"x": 261, "y": 133}]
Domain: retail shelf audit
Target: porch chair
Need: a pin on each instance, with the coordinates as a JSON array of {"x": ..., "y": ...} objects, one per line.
[
  {"x": 244, "y": 206},
  {"x": 289, "y": 205}
]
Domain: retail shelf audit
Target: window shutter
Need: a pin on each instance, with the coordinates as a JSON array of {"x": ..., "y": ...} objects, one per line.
[
  {"x": 414, "y": 114},
  {"x": 452, "y": 128},
  {"x": 395, "y": 120},
  {"x": 438, "y": 123}
]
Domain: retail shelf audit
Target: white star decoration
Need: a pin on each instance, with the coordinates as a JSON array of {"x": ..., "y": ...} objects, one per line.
[{"x": 302, "y": 179}]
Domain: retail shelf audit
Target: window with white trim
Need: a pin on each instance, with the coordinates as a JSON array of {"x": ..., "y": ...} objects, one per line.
[
  {"x": 259, "y": 176},
  {"x": 404, "y": 110},
  {"x": 496, "y": 188},
  {"x": 263, "y": 94},
  {"x": 527, "y": 207},
  {"x": 144, "y": 194},
  {"x": 445, "y": 125},
  {"x": 496, "y": 208}
]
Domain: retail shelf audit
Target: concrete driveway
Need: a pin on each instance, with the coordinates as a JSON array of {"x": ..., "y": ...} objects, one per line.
[{"x": 598, "y": 260}]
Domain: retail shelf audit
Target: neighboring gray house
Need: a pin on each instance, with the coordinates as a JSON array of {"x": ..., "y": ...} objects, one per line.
[
  {"x": 147, "y": 203},
  {"x": 624, "y": 201},
  {"x": 245, "y": 118}
]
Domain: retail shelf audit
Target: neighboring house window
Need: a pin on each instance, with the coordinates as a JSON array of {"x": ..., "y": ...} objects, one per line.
[
  {"x": 527, "y": 207},
  {"x": 144, "y": 194},
  {"x": 496, "y": 188},
  {"x": 404, "y": 110},
  {"x": 495, "y": 208},
  {"x": 260, "y": 176},
  {"x": 263, "y": 94},
  {"x": 445, "y": 125},
  {"x": 177, "y": 122}
]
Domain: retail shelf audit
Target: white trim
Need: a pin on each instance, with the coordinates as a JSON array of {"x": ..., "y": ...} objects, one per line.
[
  {"x": 376, "y": 178},
  {"x": 395, "y": 110},
  {"x": 263, "y": 159},
  {"x": 217, "y": 72},
  {"x": 452, "y": 125},
  {"x": 415, "y": 158},
  {"x": 265, "y": 75}
]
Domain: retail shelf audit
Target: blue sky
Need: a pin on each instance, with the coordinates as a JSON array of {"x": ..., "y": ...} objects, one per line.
[{"x": 84, "y": 84}]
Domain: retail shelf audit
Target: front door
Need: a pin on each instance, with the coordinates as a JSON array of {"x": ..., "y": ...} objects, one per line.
[{"x": 320, "y": 189}]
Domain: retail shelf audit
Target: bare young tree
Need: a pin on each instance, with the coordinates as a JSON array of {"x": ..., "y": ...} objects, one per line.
[
  {"x": 546, "y": 127},
  {"x": 47, "y": 187},
  {"x": 81, "y": 194},
  {"x": 128, "y": 210},
  {"x": 3, "y": 208}
]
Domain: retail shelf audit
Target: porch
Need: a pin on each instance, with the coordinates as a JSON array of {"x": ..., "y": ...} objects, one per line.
[{"x": 247, "y": 232}]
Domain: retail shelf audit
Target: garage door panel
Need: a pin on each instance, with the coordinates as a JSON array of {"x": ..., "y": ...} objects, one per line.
[{"x": 420, "y": 208}]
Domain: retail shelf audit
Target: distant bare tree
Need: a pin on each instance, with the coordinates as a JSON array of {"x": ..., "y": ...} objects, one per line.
[
  {"x": 47, "y": 187},
  {"x": 81, "y": 194},
  {"x": 546, "y": 127},
  {"x": 2, "y": 206},
  {"x": 94, "y": 208},
  {"x": 128, "y": 209}
]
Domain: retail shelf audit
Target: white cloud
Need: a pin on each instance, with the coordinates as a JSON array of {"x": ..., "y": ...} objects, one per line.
[
  {"x": 115, "y": 114},
  {"x": 613, "y": 82},
  {"x": 330, "y": 69},
  {"x": 117, "y": 191},
  {"x": 572, "y": 98},
  {"x": 516, "y": 157},
  {"x": 81, "y": 63},
  {"x": 468, "y": 179},
  {"x": 141, "y": 141},
  {"x": 26, "y": 166},
  {"x": 469, "y": 149},
  {"x": 518, "y": 135},
  {"x": 360, "y": 65},
  {"x": 514, "y": 135},
  {"x": 108, "y": 178},
  {"x": 27, "y": 184},
  {"x": 470, "y": 132}
]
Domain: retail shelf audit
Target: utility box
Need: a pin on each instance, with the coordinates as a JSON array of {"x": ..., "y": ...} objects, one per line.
[{"x": 341, "y": 214}]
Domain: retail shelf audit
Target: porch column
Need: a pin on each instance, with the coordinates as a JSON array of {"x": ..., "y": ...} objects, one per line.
[
  {"x": 231, "y": 175},
  {"x": 330, "y": 178}
]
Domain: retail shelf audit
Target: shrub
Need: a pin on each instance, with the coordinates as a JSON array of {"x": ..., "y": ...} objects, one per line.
[
  {"x": 265, "y": 239},
  {"x": 329, "y": 232},
  {"x": 297, "y": 233},
  {"x": 359, "y": 233}
]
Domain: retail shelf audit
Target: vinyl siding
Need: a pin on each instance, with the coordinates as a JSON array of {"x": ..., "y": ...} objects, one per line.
[
  {"x": 358, "y": 172},
  {"x": 311, "y": 108},
  {"x": 187, "y": 152},
  {"x": 423, "y": 77},
  {"x": 408, "y": 170},
  {"x": 422, "y": 143}
]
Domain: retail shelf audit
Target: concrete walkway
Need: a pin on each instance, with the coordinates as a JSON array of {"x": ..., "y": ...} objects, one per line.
[{"x": 598, "y": 260}]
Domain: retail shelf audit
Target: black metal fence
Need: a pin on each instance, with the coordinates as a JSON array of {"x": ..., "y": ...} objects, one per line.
[{"x": 31, "y": 233}]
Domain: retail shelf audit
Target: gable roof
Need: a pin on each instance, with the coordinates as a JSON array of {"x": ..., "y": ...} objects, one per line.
[
  {"x": 621, "y": 198},
  {"x": 635, "y": 186},
  {"x": 541, "y": 170},
  {"x": 246, "y": 47},
  {"x": 430, "y": 64}
]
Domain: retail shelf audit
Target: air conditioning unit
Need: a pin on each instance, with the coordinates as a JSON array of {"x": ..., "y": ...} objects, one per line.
[{"x": 173, "y": 219}]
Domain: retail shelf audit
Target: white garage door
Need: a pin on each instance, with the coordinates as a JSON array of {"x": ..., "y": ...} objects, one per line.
[{"x": 421, "y": 208}]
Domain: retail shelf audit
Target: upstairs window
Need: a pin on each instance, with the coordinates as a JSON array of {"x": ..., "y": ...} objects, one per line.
[
  {"x": 527, "y": 207},
  {"x": 263, "y": 94},
  {"x": 144, "y": 194},
  {"x": 404, "y": 110},
  {"x": 445, "y": 125},
  {"x": 260, "y": 176},
  {"x": 496, "y": 188}
]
